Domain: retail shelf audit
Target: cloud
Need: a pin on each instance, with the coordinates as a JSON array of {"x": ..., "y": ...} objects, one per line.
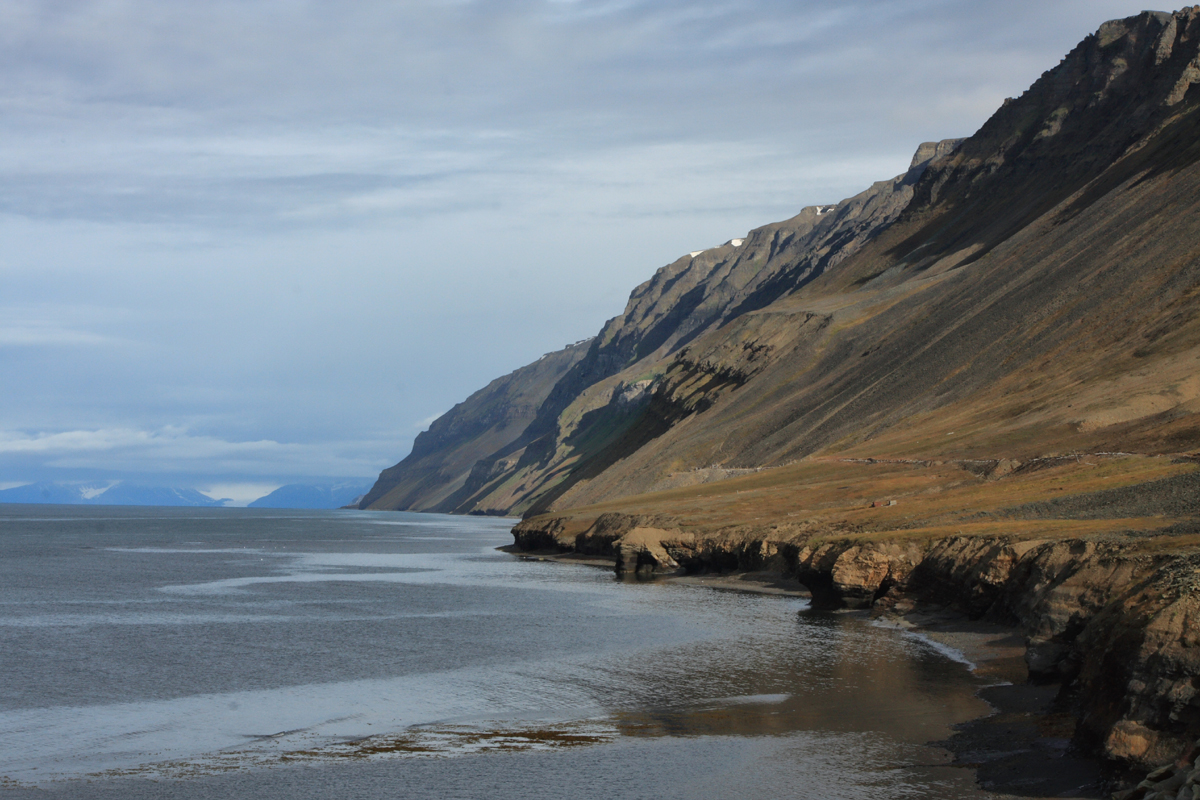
[
  {"x": 424, "y": 424},
  {"x": 51, "y": 324},
  {"x": 174, "y": 439},
  {"x": 250, "y": 240},
  {"x": 174, "y": 449},
  {"x": 239, "y": 494},
  {"x": 49, "y": 334},
  {"x": 225, "y": 113}
]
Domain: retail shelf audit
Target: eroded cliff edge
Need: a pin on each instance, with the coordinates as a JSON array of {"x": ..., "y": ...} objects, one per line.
[{"x": 1095, "y": 559}]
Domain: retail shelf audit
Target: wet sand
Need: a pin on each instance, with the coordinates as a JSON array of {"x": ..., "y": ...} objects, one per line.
[{"x": 1021, "y": 750}]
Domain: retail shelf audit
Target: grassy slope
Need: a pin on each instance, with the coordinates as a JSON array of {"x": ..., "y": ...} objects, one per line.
[{"x": 835, "y": 495}]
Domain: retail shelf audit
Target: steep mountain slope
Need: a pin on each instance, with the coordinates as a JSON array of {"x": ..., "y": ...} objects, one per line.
[
  {"x": 1037, "y": 296},
  {"x": 443, "y": 457},
  {"x": 1026, "y": 291},
  {"x": 598, "y": 398}
]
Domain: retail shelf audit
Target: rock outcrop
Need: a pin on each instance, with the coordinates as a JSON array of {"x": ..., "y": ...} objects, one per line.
[{"x": 1118, "y": 625}]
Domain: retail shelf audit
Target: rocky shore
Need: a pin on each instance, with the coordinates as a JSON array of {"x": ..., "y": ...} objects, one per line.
[
  {"x": 1108, "y": 619},
  {"x": 1180, "y": 780}
]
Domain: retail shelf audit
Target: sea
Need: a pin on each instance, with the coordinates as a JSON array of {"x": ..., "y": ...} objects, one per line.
[{"x": 262, "y": 654}]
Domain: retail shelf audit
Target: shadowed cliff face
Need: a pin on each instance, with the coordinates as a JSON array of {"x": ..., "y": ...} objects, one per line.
[{"x": 702, "y": 290}]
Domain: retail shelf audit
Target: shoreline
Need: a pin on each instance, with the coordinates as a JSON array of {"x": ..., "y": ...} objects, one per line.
[
  {"x": 1023, "y": 748},
  {"x": 1111, "y": 615}
]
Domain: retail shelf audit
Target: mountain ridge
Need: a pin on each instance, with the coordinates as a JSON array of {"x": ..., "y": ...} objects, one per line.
[
  {"x": 892, "y": 272},
  {"x": 327, "y": 494}
]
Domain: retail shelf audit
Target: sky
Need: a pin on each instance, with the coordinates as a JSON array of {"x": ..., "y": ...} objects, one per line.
[{"x": 257, "y": 242}]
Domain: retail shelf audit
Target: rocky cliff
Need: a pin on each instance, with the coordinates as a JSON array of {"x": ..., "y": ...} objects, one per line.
[
  {"x": 1048, "y": 259},
  {"x": 593, "y": 404},
  {"x": 1035, "y": 296}
]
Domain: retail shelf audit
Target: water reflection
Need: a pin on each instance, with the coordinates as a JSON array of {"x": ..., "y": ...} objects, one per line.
[
  {"x": 829, "y": 672},
  {"x": 226, "y": 643}
]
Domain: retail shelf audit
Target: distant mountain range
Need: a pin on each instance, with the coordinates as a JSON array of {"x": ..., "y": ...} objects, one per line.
[
  {"x": 106, "y": 494},
  {"x": 329, "y": 494},
  {"x": 314, "y": 495}
]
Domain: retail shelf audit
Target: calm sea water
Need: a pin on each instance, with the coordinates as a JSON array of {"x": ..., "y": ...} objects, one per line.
[{"x": 277, "y": 654}]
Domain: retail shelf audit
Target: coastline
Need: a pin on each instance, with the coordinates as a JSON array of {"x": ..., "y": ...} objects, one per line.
[
  {"x": 1108, "y": 605},
  {"x": 760, "y": 582},
  {"x": 1023, "y": 748}
]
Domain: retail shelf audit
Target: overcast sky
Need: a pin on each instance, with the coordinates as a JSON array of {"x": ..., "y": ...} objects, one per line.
[{"x": 251, "y": 242}]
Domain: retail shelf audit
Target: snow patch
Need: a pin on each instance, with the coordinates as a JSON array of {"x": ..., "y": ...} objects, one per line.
[{"x": 92, "y": 492}]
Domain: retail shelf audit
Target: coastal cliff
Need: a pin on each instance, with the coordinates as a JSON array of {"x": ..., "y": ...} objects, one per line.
[
  {"x": 974, "y": 385},
  {"x": 1110, "y": 606},
  {"x": 1119, "y": 624}
]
